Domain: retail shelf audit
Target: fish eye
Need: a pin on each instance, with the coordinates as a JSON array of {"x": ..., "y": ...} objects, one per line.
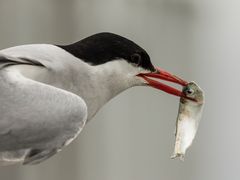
[{"x": 189, "y": 91}]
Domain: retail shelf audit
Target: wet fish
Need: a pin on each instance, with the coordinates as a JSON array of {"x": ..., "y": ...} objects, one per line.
[{"x": 189, "y": 115}]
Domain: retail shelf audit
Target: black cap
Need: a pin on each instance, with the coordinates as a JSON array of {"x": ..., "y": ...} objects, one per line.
[{"x": 104, "y": 47}]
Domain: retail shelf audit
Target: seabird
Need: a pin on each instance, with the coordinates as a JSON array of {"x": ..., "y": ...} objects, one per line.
[{"x": 49, "y": 92}]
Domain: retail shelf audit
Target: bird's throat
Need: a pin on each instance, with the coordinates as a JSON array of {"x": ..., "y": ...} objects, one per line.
[{"x": 103, "y": 83}]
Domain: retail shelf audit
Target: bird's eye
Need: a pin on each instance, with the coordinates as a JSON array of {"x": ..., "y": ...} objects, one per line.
[{"x": 136, "y": 59}]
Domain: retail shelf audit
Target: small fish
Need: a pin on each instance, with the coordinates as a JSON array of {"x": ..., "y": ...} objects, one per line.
[{"x": 189, "y": 115}]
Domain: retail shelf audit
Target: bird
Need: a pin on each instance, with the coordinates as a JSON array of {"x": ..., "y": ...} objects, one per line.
[{"x": 49, "y": 92}]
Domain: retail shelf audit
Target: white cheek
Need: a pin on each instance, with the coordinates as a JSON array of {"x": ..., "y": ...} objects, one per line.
[
  {"x": 131, "y": 75},
  {"x": 122, "y": 72},
  {"x": 126, "y": 68}
]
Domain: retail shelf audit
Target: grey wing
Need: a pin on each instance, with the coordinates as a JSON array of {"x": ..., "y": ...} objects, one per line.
[
  {"x": 6, "y": 61},
  {"x": 35, "y": 116}
]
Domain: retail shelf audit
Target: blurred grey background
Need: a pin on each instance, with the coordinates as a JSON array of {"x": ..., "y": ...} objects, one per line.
[{"x": 132, "y": 136}]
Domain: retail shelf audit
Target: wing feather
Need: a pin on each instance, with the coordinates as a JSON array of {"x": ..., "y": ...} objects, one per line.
[{"x": 34, "y": 115}]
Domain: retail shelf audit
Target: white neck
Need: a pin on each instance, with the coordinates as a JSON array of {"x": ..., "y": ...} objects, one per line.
[{"x": 98, "y": 84}]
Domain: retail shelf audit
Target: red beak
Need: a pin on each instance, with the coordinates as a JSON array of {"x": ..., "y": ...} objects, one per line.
[{"x": 166, "y": 76}]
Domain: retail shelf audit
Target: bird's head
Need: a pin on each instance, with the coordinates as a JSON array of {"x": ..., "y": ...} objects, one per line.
[{"x": 125, "y": 59}]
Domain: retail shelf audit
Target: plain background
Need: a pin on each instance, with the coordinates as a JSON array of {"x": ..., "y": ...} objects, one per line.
[{"x": 132, "y": 137}]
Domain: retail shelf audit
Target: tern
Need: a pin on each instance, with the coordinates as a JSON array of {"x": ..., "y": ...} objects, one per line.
[{"x": 49, "y": 92}]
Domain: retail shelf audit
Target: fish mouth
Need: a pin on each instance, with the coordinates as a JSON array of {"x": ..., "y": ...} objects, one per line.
[{"x": 160, "y": 74}]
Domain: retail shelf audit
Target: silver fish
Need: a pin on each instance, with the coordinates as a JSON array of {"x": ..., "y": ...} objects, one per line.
[{"x": 189, "y": 115}]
